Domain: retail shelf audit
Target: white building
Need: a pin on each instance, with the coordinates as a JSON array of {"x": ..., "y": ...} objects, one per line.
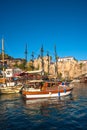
[
  {"x": 83, "y": 61},
  {"x": 66, "y": 59}
]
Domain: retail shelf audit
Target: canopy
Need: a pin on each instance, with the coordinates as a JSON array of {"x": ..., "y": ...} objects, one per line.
[
  {"x": 30, "y": 72},
  {"x": 33, "y": 72}
]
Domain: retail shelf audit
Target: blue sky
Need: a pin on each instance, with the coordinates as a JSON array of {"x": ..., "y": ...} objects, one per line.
[{"x": 49, "y": 22}]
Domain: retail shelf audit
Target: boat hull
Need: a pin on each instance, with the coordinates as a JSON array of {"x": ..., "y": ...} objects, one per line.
[
  {"x": 10, "y": 90},
  {"x": 46, "y": 94}
]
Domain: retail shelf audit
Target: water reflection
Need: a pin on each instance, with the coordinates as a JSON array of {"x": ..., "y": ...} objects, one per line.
[
  {"x": 80, "y": 89},
  {"x": 45, "y": 106},
  {"x": 56, "y": 100},
  {"x": 9, "y": 96}
]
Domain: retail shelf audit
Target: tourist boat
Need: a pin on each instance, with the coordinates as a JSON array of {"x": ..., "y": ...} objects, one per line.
[
  {"x": 6, "y": 85},
  {"x": 41, "y": 88},
  {"x": 10, "y": 88},
  {"x": 9, "y": 85},
  {"x": 36, "y": 89}
]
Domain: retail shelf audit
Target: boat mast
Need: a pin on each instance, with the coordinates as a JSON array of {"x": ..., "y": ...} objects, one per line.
[
  {"x": 48, "y": 61},
  {"x": 42, "y": 60},
  {"x": 56, "y": 67},
  {"x": 3, "y": 55},
  {"x": 26, "y": 52},
  {"x": 32, "y": 60}
]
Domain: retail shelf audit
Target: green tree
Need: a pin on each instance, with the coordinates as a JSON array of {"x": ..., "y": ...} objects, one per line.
[
  {"x": 81, "y": 64},
  {"x": 6, "y": 56}
]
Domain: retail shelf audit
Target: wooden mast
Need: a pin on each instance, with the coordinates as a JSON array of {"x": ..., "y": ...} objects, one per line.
[
  {"x": 26, "y": 52},
  {"x": 56, "y": 67},
  {"x": 25, "y": 64},
  {"x": 3, "y": 55},
  {"x": 48, "y": 61},
  {"x": 42, "y": 60},
  {"x": 32, "y": 60}
]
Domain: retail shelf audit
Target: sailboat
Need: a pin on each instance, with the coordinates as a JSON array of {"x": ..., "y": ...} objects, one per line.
[{"x": 8, "y": 86}]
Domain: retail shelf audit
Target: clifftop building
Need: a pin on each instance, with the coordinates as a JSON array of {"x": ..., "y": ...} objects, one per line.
[{"x": 66, "y": 59}]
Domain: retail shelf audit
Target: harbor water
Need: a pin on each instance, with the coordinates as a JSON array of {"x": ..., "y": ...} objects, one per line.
[{"x": 66, "y": 113}]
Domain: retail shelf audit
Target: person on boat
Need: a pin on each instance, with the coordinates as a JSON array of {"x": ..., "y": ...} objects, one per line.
[{"x": 63, "y": 83}]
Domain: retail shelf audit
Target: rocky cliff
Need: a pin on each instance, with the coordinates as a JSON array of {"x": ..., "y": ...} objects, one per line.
[{"x": 67, "y": 69}]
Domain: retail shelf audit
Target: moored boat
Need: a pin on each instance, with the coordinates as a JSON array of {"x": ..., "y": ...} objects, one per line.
[
  {"x": 6, "y": 85},
  {"x": 45, "y": 89},
  {"x": 10, "y": 88}
]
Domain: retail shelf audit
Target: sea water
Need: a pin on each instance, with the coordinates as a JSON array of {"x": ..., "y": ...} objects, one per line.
[{"x": 66, "y": 113}]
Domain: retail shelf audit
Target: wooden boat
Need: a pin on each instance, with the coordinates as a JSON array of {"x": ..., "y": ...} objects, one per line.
[
  {"x": 44, "y": 89},
  {"x": 7, "y": 87},
  {"x": 36, "y": 89},
  {"x": 10, "y": 88}
]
